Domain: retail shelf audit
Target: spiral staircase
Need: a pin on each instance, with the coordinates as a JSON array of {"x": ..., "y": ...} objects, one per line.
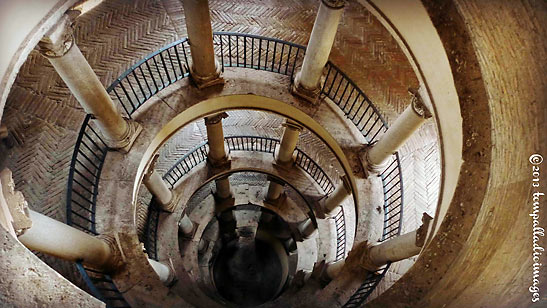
[{"x": 235, "y": 192}]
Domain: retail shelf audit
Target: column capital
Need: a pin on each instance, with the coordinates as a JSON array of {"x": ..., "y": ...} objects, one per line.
[
  {"x": 292, "y": 125},
  {"x": 368, "y": 167},
  {"x": 117, "y": 258},
  {"x": 151, "y": 166},
  {"x": 17, "y": 206},
  {"x": 60, "y": 38},
  {"x": 334, "y": 4},
  {"x": 216, "y": 118},
  {"x": 418, "y": 105}
]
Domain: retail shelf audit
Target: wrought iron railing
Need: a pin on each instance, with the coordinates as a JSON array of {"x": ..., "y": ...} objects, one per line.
[
  {"x": 151, "y": 75},
  {"x": 363, "y": 292},
  {"x": 340, "y": 224},
  {"x": 359, "y": 109},
  {"x": 83, "y": 184},
  {"x": 151, "y": 232},
  {"x": 188, "y": 161},
  {"x": 170, "y": 64},
  {"x": 83, "y": 179},
  {"x": 258, "y": 52},
  {"x": 102, "y": 287},
  {"x": 199, "y": 153},
  {"x": 251, "y": 143}
]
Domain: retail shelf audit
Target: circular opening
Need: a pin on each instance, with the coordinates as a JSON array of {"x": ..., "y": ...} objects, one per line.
[{"x": 249, "y": 264}]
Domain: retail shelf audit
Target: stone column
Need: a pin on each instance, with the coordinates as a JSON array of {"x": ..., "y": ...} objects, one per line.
[
  {"x": 164, "y": 272},
  {"x": 47, "y": 235},
  {"x": 223, "y": 190},
  {"x": 215, "y": 136},
  {"x": 57, "y": 239},
  {"x": 396, "y": 249},
  {"x": 376, "y": 157},
  {"x": 335, "y": 199},
  {"x": 186, "y": 226},
  {"x": 59, "y": 48},
  {"x": 274, "y": 190},
  {"x": 205, "y": 69},
  {"x": 307, "y": 229},
  {"x": 307, "y": 82},
  {"x": 286, "y": 149},
  {"x": 158, "y": 188}
]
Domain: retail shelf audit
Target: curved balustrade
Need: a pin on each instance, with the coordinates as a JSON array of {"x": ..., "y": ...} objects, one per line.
[
  {"x": 199, "y": 153},
  {"x": 170, "y": 64}
]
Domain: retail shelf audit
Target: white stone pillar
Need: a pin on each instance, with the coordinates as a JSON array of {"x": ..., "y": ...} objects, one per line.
[
  {"x": 164, "y": 272},
  {"x": 287, "y": 146},
  {"x": 376, "y": 157},
  {"x": 215, "y": 138},
  {"x": 335, "y": 199},
  {"x": 205, "y": 69},
  {"x": 59, "y": 48},
  {"x": 158, "y": 188},
  {"x": 307, "y": 229},
  {"x": 186, "y": 226},
  {"x": 274, "y": 191},
  {"x": 57, "y": 239},
  {"x": 223, "y": 190},
  {"x": 47, "y": 235},
  {"x": 307, "y": 82},
  {"x": 396, "y": 249}
]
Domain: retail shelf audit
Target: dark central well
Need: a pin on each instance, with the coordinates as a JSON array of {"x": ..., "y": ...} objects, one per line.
[{"x": 250, "y": 263}]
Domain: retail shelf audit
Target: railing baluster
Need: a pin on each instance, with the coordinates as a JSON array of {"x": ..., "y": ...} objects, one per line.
[
  {"x": 165, "y": 68},
  {"x": 178, "y": 60},
  {"x": 273, "y": 58},
  {"x": 230, "y": 48},
  {"x": 158, "y": 70},
  {"x": 221, "y": 52},
  {"x": 288, "y": 60},
  {"x": 281, "y": 58},
  {"x": 259, "y": 52},
  {"x": 152, "y": 75}
]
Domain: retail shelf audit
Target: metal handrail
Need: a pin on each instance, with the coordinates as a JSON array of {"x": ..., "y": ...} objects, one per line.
[
  {"x": 171, "y": 63},
  {"x": 83, "y": 178},
  {"x": 198, "y": 154},
  {"x": 340, "y": 224},
  {"x": 150, "y": 75}
]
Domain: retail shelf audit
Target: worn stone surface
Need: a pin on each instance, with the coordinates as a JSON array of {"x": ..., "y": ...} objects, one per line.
[
  {"x": 484, "y": 246},
  {"x": 26, "y": 281}
]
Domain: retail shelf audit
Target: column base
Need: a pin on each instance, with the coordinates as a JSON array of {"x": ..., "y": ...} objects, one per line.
[
  {"x": 172, "y": 274},
  {"x": 369, "y": 168},
  {"x": 276, "y": 202},
  {"x": 203, "y": 82},
  {"x": 190, "y": 235},
  {"x": 285, "y": 165},
  {"x": 123, "y": 145},
  {"x": 116, "y": 261},
  {"x": 306, "y": 230},
  {"x": 365, "y": 261},
  {"x": 172, "y": 205},
  {"x": 309, "y": 95},
  {"x": 218, "y": 165}
]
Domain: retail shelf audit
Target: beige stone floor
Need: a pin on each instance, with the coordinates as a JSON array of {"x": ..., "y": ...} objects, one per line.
[{"x": 44, "y": 118}]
